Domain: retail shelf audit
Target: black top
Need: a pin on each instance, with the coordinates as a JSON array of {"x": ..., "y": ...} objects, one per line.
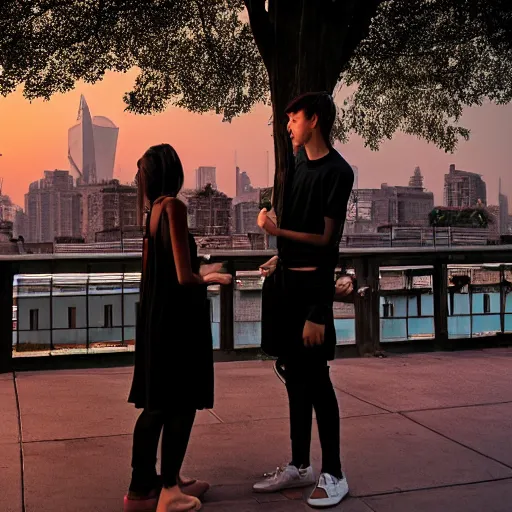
[{"x": 318, "y": 188}]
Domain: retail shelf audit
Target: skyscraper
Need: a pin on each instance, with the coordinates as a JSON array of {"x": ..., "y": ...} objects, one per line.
[
  {"x": 416, "y": 180},
  {"x": 53, "y": 207},
  {"x": 463, "y": 189},
  {"x": 206, "y": 176},
  {"x": 243, "y": 182},
  {"x": 503, "y": 211},
  {"x": 108, "y": 207},
  {"x": 92, "y": 144},
  {"x": 209, "y": 213}
]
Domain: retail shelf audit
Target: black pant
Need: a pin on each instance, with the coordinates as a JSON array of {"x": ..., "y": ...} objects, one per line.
[
  {"x": 177, "y": 426},
  {"x": 309, "y": 386}
]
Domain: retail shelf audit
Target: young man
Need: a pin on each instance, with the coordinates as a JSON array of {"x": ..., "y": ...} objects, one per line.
[{"x": 297, "y": 316}]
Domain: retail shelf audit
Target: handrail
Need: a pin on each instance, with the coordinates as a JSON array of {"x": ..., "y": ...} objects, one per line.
[{"x": 366, "y": 262}]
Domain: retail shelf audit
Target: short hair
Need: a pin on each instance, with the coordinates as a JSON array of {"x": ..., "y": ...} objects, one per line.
[{"x": 319, "y": 103}]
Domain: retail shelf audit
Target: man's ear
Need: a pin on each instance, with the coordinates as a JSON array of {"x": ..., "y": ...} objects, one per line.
[{"x": 314, "y": 120}]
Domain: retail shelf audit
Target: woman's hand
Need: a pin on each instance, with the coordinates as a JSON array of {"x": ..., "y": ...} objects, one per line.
[
  {"x": 210, "y": 268},
  {"x": 218, "y": 278}
]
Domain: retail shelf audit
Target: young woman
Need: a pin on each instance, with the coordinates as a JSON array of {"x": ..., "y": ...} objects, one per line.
[{"x": 173, "y": 374}]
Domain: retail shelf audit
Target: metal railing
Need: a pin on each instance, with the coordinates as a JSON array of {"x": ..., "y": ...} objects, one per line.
[{"x": 371, "y": 316}]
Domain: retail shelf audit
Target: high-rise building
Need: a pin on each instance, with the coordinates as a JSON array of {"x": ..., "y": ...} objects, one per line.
[
  {"x": 108, "y": 207},
  {"x": 209, "y": 213},
  {"x": 463, "y": 189},
  {"x": 243, "y": 183},
  {"x": 206, "y": 176},
  {"x": 416, "y": 180},
  {"x": 8, "y": 209},
  {"x": 52, "y": 205},
  {"x": 504, "y": 215},
  {"x": 92, "y": 144},
  {"x": 393, "y": 205},
  {"x": 246, "y": 217}
]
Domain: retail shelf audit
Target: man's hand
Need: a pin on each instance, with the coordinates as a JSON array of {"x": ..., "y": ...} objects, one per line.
[
  {"x": 313, "y": 334},
  {"x": 265, "y": 223},
  {"x": 267, "y": 269},
  {"x": 344, "y": 289}
]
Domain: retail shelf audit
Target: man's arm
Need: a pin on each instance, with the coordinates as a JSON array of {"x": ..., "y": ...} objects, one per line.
[{"x": 331, "y": 227}]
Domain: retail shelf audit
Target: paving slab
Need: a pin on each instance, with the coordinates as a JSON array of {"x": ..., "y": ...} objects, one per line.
[
  {"x": 236, "y": 398},
  {"x": 487, "y": 429},
  {"x": 404, "y": 383},
  {"x": 389, "y": 453},
  {"x": 348, "y": 505},
  {"x": 236, "y": 453},
  {"x": 484, "y": 497},
  {"x": 81, "y": 475},
  {"x": 9, "y": 430},
  {"x": 248, "y": 392},
  {"x": 10, "y": 478},
  {"x": 62, "y": 405}
]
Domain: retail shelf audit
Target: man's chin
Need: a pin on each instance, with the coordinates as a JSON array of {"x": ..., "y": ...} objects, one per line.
[{"x": 295, "y": 147}]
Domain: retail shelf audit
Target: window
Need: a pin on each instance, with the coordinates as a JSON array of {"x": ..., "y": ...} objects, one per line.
[
  {"x": 389, "y": 310},
  {"x": 72, "y": 318},
  {"x": 487, "y": 303},
  {"x": 418, "y": 304},
  {"x": 107, "y": 315},
  {"x": 34, "y": 319}
]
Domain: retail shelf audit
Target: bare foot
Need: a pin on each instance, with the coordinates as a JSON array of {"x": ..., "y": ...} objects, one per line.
[
  {"x": 193, "y": 487},
  {"x": 173, "y": 500},
  {"x": 185, "y": 480}
]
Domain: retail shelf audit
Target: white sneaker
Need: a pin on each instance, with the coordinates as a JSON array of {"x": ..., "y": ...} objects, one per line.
[
  {"x": 329, "y": 491},
  {"x": 286, "y": 477}
]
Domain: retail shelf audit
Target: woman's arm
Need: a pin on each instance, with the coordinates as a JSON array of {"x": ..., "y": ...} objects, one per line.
[{"x": 177, "y": 215}]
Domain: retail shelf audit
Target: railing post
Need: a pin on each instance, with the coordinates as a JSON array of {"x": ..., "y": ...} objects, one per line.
[
  {"x": 6, "y": 302},
  {"x": 366, "y": 307},
  {"x": 440, "y": 286},
  {"x": 227, "y": 312}
]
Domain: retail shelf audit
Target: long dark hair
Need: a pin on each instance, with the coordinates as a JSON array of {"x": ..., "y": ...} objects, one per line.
[{"x": 159, "y": 173}]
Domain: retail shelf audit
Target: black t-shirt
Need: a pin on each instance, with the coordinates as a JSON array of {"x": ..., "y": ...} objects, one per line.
[{"x": 318, "y": 188}]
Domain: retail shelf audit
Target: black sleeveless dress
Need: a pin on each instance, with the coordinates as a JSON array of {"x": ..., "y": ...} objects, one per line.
[{"x": 173, "y": 345}]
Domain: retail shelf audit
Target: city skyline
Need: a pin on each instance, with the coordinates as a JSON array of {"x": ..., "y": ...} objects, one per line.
[{"x": 204, "y": 140}]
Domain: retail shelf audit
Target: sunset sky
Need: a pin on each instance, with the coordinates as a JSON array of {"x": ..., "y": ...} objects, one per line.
[{"x": 33, "y": 137}]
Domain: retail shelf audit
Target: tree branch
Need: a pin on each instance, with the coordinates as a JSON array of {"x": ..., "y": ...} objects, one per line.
[
  {"x": 261, "y": 28},
  {"x": 360, "y": 26}
]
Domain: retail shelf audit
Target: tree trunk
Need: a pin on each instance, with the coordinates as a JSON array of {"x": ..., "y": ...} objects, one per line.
[{"x": 311, "y": 42}]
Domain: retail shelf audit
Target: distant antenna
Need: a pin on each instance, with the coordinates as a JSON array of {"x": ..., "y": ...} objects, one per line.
[{"x": 1, "y": 184}]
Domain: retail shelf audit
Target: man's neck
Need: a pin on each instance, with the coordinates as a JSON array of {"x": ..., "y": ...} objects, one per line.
[{"x": 316, "y": 148}]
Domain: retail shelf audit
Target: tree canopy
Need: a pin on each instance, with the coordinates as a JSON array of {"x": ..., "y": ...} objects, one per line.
[{"x": 409, "y": 65}]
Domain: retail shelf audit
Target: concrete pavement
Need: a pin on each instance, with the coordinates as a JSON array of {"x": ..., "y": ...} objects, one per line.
[{"x": 420, "y": 433}]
